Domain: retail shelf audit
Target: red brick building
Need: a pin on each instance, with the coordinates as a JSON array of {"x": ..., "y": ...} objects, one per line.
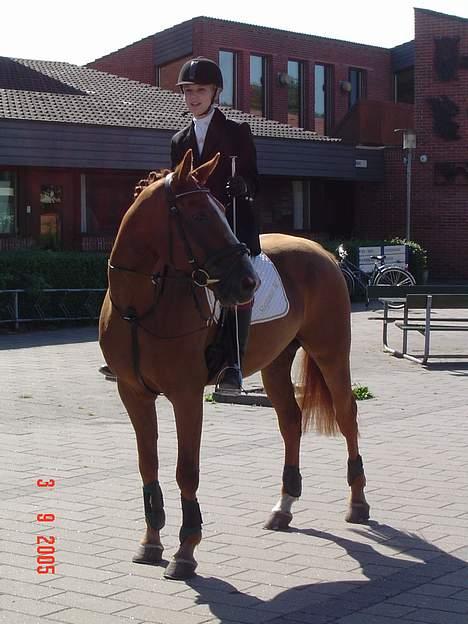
[{"x": 360, "y": 94}]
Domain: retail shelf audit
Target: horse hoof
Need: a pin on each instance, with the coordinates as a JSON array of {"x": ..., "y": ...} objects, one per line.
[
  {"x": 149, "y": 554},
  {"x": 358, "y": 513},
  {"x": 180, "y": 569},
  {"x": 278, "y": 521}
]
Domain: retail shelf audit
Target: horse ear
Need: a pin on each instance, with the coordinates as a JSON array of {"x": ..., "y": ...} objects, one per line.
[
  {"x": 203, "y": 172},
  {"x": 184, "y": 168}
]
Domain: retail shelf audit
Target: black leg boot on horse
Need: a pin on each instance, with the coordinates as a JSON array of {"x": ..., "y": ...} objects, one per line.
[{"x": 237, "y": 333}]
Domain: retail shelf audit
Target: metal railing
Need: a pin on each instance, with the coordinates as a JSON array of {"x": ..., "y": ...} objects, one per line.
[{"x": 50, "y": 304}]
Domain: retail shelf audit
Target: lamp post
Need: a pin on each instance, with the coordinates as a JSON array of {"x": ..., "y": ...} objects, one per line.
[{"x": 409, "y": 144}]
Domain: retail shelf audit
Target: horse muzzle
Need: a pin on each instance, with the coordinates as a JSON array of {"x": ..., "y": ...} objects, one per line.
[{"x": 239, "y": 286}]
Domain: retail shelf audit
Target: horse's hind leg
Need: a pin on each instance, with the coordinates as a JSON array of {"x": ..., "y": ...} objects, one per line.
[
  {"x": 280, "y": 390},
  {"x": 333, "y": 371},
  {"x": 142, "y": 413}
]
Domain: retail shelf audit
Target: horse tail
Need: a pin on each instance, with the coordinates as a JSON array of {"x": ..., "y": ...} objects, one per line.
[{"x": 315, "y": 400}]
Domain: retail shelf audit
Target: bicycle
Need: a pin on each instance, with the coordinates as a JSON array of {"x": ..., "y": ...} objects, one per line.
[{"x": 381, "y": 275}]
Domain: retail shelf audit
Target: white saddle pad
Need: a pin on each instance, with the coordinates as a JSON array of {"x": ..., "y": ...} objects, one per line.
[{"x": 270, "y": 299}]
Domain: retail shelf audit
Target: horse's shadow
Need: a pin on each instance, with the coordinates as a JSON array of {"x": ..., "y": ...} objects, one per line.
[{"x": 325, "y": 602}]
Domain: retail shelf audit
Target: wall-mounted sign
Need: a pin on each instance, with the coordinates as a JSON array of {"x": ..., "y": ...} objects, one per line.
[
  {"x": 444, "y": 109},
  {"x": 51, "y": 194}
]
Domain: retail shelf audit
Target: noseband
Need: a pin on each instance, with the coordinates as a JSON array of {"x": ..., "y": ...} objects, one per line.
[{"x": 202, "y": 275}]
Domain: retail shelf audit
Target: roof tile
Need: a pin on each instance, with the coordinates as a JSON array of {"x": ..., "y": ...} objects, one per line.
[{"x": 64, "y": 93}]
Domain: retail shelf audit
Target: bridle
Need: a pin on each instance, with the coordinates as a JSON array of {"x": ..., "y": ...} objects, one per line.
[{"x": 201, "y": 275}]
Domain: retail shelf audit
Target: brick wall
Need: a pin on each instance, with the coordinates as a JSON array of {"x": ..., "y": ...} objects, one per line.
[
  {"x": 381, "y": 209},
  {"x": 169, "y": 73},
  {"x": 439, "y": 213},
  {"x": 210, "y": 35},
  {"x": 135, "y": 61}
]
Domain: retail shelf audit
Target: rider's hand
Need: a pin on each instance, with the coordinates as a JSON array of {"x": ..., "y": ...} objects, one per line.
[{"x": 236, "y": 187}]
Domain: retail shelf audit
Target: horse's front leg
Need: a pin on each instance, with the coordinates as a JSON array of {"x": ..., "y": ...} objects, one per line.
[
  {"x": 142, "y": 412},
  {"x": 188, "y": 409}
]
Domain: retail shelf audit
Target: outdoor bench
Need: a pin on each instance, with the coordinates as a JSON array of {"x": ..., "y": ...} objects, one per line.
[{"x": 426, "y": 299}]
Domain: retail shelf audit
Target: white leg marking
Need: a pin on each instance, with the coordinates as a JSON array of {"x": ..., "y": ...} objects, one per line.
[{"x": 285, "y": 503}]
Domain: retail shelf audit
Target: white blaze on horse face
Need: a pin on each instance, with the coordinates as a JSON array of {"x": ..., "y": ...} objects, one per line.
[{"x": 285, "y": 503}]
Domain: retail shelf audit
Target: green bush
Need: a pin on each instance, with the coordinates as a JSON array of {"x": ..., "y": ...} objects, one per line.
[
  {"x": 36, "y": 270},
  {"x": 417, "y": 257}
]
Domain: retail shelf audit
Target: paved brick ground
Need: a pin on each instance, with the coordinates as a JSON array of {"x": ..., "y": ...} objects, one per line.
[{"x": 60, "y": 420}]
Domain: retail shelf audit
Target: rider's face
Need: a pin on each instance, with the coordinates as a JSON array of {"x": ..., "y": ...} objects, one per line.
[{"x": 198, "y": 98}]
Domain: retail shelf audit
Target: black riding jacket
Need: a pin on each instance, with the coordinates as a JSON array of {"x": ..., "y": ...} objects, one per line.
[{"x": 230, "y": 139}]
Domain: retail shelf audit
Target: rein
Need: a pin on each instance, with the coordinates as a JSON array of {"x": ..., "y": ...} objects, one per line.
[{"x": 158, "y": 280}]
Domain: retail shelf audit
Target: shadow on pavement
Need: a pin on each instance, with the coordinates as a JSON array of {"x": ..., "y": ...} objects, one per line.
[
  {"x": 323, "y": 602},
  {"x": 454, "y": 368},
  {"x": 24, "y": 339}
]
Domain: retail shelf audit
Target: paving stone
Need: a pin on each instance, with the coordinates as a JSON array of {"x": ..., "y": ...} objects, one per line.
[
  {"x": 27, "y": 590},
  {"x": 436, "y": 603},
  {"x": 437, "y": 617},
  {"x": 11, "y": 617},
  {"x": 83, "y": 616},
  {"x": 27, "y": 606}
]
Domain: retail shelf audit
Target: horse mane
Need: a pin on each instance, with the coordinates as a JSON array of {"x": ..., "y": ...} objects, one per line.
[{"x": 153, "y": 176}]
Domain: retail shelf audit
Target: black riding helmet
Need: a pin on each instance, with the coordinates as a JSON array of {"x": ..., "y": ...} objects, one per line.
[{"x": 202, "y": 71}]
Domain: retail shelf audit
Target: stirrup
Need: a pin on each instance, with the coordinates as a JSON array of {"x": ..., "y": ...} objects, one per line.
[
  {"x": 108, "y": 374},
  {"x": 229, "y": 381}
]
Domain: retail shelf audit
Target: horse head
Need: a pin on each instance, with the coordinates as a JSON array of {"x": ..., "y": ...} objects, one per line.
[{"x": 201, "y": 241}]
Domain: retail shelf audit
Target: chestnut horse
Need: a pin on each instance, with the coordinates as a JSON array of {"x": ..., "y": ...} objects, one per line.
[{"x": 155, "y": 325}]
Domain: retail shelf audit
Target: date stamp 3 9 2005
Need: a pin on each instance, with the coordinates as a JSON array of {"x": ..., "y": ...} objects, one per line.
[{"x": 45, "y": 544}]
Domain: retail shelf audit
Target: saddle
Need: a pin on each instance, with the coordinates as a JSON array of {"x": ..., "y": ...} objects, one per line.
[{"x": 270, "y": 303}]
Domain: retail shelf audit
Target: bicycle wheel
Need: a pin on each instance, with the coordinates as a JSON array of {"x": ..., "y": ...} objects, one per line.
[
  {"x": 394, "y": 276},
  {"x": 349, "y": 279}
]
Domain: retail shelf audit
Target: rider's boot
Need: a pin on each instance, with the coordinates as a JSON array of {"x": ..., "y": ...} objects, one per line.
[{"x": 230, "y": 378}]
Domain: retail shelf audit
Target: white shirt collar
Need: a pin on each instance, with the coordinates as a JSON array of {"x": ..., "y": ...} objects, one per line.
[
  {"x": 205, "y": 120},
  {"x": 201, "y": 128}
]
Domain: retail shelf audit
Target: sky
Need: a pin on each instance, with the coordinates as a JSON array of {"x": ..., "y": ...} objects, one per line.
[{"x": 79, "y": 32}]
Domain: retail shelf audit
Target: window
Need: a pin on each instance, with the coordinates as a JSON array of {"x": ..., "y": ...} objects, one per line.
[
  {"x": 227, "y": 63},
  {"x": 295, "y": 94},
  {"x": 7, "y": 202},
  {"x": 322, "y": 99},
  {"x": 357, "y": 80},
  {"x": 257, "y": 85},
  {"x": 404, "y": 86}
]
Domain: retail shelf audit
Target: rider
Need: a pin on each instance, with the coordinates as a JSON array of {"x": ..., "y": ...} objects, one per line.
[{"x": 209, "y": 132}]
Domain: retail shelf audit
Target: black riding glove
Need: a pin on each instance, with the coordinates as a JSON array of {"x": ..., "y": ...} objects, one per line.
[{"x": 236, "y": 187}]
